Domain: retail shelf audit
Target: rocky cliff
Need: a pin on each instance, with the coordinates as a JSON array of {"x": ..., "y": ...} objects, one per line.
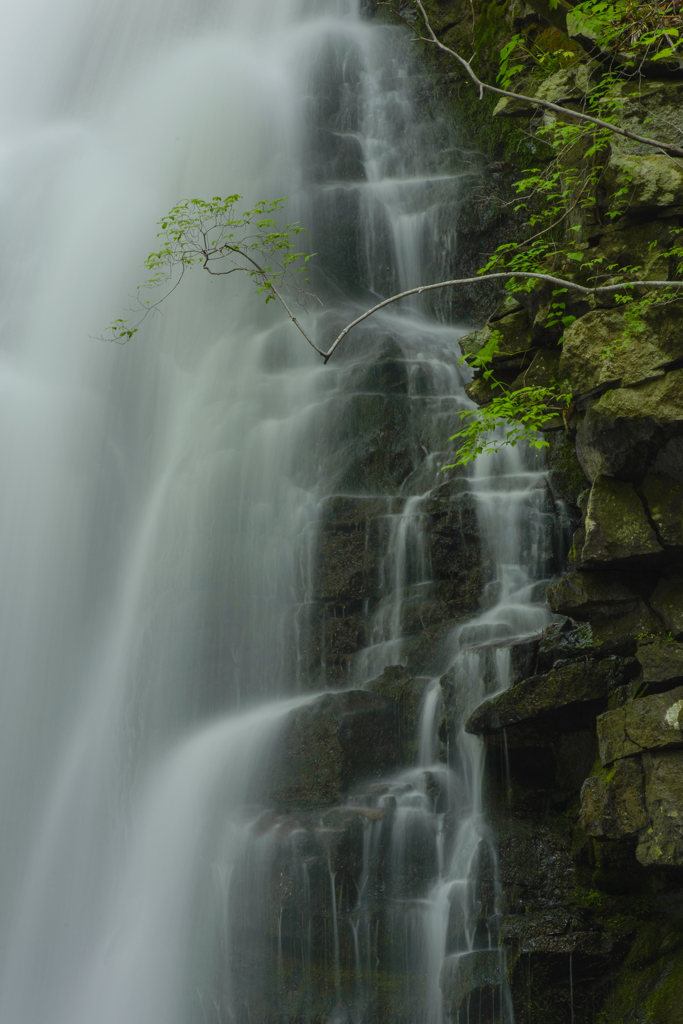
[
  {"x": 589, "y": 813},
  {"x": 581, "y": 886}
]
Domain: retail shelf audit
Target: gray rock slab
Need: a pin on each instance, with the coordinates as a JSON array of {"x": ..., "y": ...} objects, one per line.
[
  {"x": 648, "y": 723},
  {"x": 613, "y": 802},
  {"x": 464, "y": 973},
  {"x": 617, "y": 527},
  {"x": 564, "y": 686}
]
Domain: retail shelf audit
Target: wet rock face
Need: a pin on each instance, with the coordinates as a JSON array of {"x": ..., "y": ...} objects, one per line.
[
  {"x": 562, "y": 690},
  {"x": 582, "y": 846},
  {"x": 354, "y": 567},
  {"x": 617, "y": 528},
  {"x": 331, "y": 744},
  {"x": 470, "y": 985},
  {"x": 650, "y": 723},
  {"x": 406, "y": 694}
]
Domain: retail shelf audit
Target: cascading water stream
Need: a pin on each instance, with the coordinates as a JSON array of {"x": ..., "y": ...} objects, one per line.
[{"x": 161, "y": 509}]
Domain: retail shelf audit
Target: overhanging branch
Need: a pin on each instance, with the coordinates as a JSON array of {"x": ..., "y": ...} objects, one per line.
[{"x": 503, "y": 276}]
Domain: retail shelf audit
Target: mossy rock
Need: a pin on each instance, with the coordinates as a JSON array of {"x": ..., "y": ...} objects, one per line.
[
  {"x": 564, "y": 688},
  {"x": 597, "y": 354},
  {"x": 565, "y": 475},
  {"x": 661, "y": 843},
  {"x": 649, "y": 723},
  {"x": 613, "y": 802},
  {"x": 667, "y": 602},
  {"x": 624, "y": 430},
  {"x": 649, "y": 985},
  {"x": 617, "y": 527},
  {"x": 652, "y": 182}
]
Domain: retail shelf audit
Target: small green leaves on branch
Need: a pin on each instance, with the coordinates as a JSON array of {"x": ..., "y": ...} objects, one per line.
[
  {"x": 511, "y": 417},
  {"x": 211, "y": 235}
]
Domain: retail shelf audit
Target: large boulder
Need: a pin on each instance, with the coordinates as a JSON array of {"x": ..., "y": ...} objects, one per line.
[
  {"x": 330, "y": 745},
  {"x": 613, "y": 802},
  {"x": 597, "y": 353},
  {"x": 623, "y": 431},
  {"x": 617, "y": 527},
  {"x": 587, "y": 596},
  {"x": 661, "y": 842},
  {"x": 649, "y": 723},
  {"x": 664, "y": 499},
  {"x": 561, "y": 690}
]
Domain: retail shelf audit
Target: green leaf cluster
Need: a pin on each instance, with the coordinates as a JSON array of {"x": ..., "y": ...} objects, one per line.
[
  {"x": 511, "y": 417},
  {"x": 212, "y": 235}
]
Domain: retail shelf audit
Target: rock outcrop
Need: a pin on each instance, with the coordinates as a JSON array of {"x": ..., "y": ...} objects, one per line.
[{"x": 586, "y": 748}]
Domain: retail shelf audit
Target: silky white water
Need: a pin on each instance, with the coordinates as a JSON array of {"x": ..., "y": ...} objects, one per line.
[
  {"x": 149, "y": 523},
  {"x": 160, "y": 500}
]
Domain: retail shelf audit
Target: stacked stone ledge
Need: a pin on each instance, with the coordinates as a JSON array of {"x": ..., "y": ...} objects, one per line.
[{"x": 586, "y": 750}]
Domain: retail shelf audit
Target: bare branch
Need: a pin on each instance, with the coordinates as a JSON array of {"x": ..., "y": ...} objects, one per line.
[
  {"x": 269, "y": 284},
  {"x": 508, "y": 276},
  {"x": 665, "y": 147}
]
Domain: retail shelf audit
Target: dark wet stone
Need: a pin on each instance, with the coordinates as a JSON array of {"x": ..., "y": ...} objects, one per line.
[
  {"x": 405, "y": 692},
  {"x": 566, "y": 477},
  {"x": 455, "y": 549},
  {"x": 591, "y": 595},
  {"x": 613, "y": 802},
  {"x": 661, "y": 842},
  {"x": 649, "y": 723},
  {"x": 564, "y": 640},
  {"x": 330, "y": 745},
  {"x": 567, "y": 640},
  {"x": 663, "y": 496},
  {"x": 474, "y": 977},
  {"x": 561, "y": 689},
  {"x": 662, "y": 664},
  {"x": 667, "y": 602}
]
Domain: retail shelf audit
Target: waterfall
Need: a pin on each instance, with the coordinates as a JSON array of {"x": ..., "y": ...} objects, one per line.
[{"x": 162, "y": 509}]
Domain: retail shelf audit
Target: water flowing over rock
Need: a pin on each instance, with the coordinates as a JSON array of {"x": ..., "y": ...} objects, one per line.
[{"x": 296, "y": 728}]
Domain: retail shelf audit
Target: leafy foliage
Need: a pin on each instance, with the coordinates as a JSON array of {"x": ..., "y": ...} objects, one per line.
[
  {"x": 557, "y": 197},
  {"x": 511, "y": 417},
  {"x": 208, "y": 233},
  {"x": 638, "y": 29}
]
